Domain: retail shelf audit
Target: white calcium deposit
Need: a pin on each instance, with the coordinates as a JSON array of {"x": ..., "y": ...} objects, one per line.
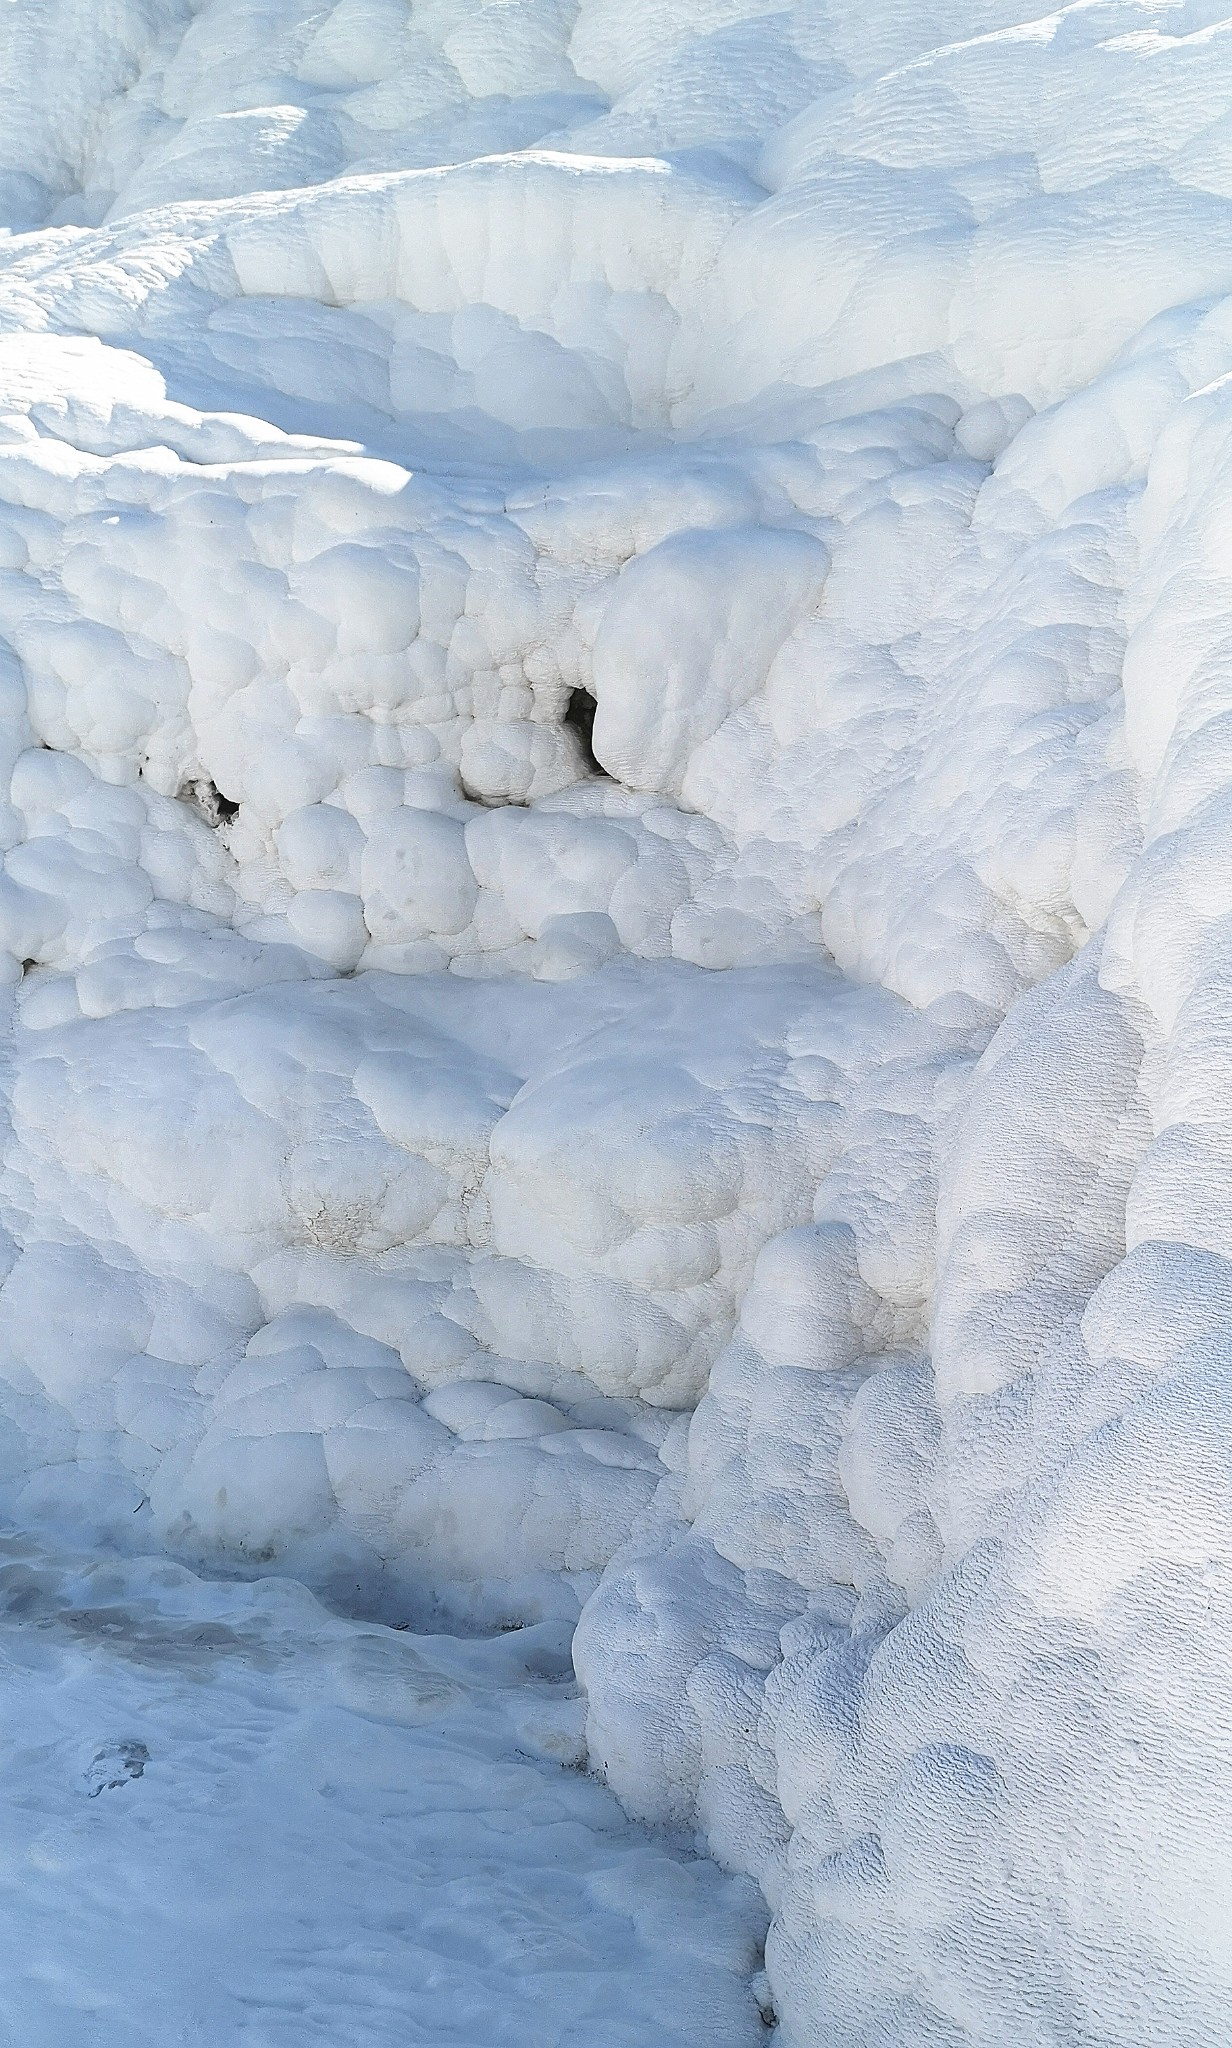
[{"x": 616, "y": 976}]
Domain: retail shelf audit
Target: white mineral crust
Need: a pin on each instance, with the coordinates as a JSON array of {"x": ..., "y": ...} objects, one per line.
[{"x": 616, "y": 1023}]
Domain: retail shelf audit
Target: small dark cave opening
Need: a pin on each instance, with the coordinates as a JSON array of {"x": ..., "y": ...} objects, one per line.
[
  {"x": 209, "y": 800},
  {"x": 580, "y": 718}
]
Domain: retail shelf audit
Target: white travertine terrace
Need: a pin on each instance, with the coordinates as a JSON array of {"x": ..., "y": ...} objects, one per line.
[{"x": 616, "y": 927}]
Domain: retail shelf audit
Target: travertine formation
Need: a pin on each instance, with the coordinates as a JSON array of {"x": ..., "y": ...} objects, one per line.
[{"x": 614, "y": 629}]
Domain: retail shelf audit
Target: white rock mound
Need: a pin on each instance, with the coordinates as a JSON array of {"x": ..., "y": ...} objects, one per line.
[{"x": 615, "y": 806}]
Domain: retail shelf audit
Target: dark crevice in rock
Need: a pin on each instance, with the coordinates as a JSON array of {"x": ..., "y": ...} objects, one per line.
[
  {"x": 580, "y": 719},
  {"x": 214, "y": 807}
]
